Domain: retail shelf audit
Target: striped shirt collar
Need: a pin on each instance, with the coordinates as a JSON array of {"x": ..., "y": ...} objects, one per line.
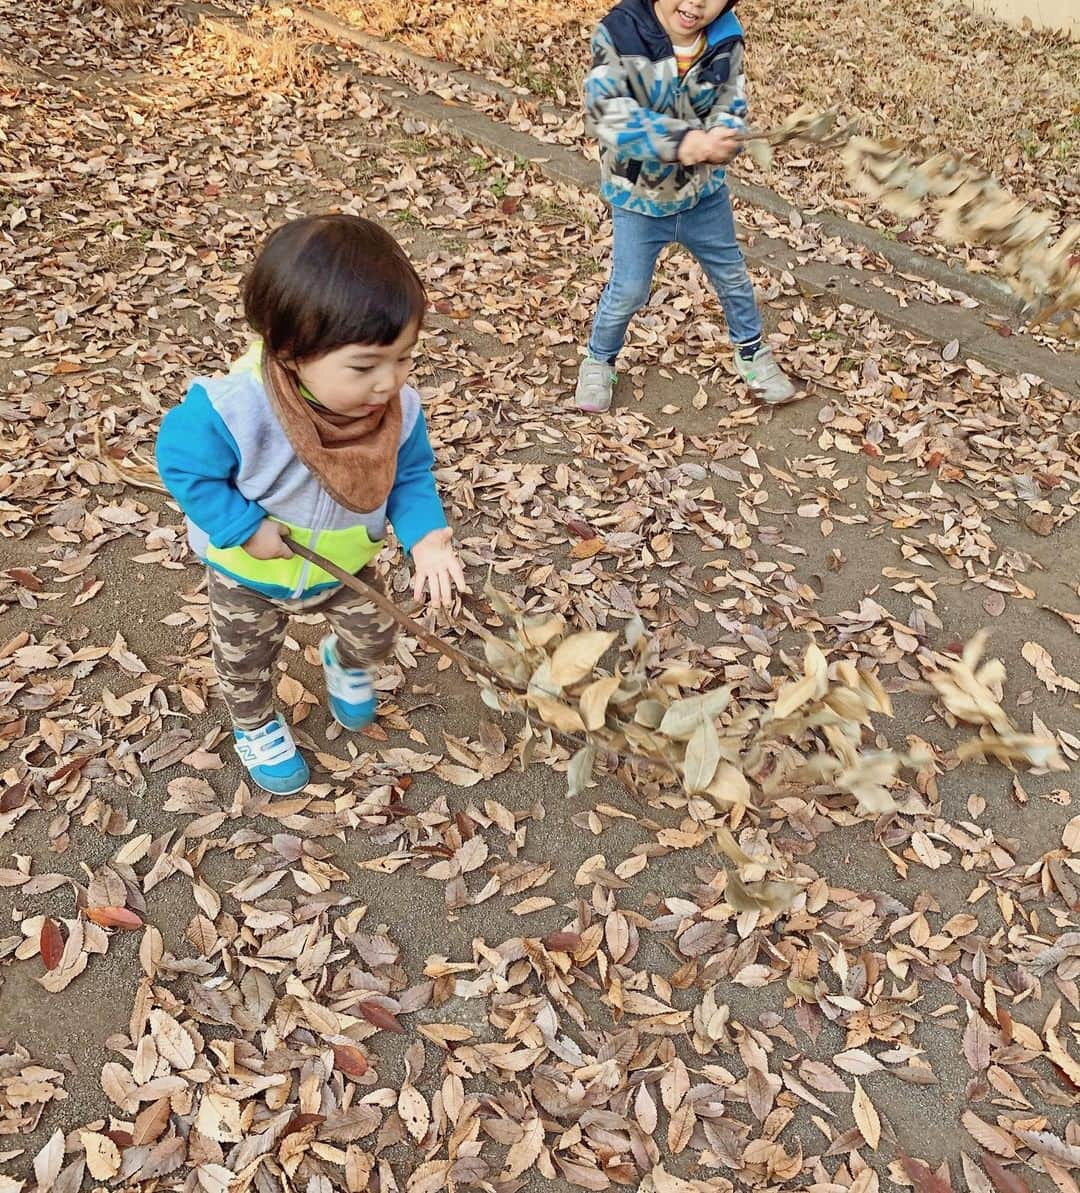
[{"x": 686, "y": 56}]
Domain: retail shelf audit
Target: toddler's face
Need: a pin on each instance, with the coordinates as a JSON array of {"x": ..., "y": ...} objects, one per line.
[
  {"x": 359, "y": 378},
  {"x": 683, "y": 20}
]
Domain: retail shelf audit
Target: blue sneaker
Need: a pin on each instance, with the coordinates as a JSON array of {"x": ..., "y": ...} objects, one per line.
[
  {"x": 348, "y": 689},
  {"x": 272, "y": 759}
]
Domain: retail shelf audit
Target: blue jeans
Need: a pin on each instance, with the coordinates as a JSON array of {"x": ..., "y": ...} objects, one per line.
[{"x": 708, "y": 231}]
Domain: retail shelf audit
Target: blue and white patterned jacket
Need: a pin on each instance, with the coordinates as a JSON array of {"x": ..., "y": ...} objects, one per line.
[{"x": 640, "y": 109}]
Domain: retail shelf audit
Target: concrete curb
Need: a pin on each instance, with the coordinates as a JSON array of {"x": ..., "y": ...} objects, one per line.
[
  {"x": 986, "y": 290},
  {"x": 816, "y": 279}
]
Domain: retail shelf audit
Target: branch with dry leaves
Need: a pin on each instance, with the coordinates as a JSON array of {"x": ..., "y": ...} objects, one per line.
[
  {"x": 727, "y": 754},
  {"x": 972, "y": 209},
  {"x": 811, "y": 734},
  {"x": 805, "y": 124}
]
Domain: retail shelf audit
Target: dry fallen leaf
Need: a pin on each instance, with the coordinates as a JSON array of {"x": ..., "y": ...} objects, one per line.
[
  {"x": 414, "y": 1111},
  {"x": 866, "y": 1116},
  {"x": 350, "y": 1060},
  {"x": 102, "y": 1155},
  {"x": 51, "y": 943},
  {"x": 114, "y": 917},
  {"x": 987, "y": 1135}
]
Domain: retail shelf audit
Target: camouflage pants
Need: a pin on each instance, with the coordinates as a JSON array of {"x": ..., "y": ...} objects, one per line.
[{"x": 248, "y": 628}]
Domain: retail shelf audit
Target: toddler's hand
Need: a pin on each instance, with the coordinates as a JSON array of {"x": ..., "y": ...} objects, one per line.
[
  {"x": 269, "y": 541},
  {"x": 438, "y": 568},
  {"x": 716, "y": 147},
  {"x": 694, "y": 147},
  {"x": 723, "y": 146}
]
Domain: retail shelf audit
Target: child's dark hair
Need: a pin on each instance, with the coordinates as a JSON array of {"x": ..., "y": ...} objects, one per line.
[{"x": 326, "y": 281}]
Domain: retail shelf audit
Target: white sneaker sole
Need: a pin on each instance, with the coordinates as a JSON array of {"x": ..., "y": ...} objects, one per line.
[
  {"x": 794, "y": 396},
  {"x": 275, "y": 791},
  {"x": 765, "y": 400}
]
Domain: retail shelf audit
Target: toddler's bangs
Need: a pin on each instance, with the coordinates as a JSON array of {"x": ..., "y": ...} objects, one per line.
[
  {"x": 324, "y": 282},
  {"x": 359, "y": 292}
]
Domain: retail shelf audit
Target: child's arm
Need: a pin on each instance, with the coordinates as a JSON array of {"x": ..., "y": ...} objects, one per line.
[
  {"x": 619, "y": 121},
  {"x": 417, "y": 516},
  {"x": 730, "y": 109},
  {"x": 413, "y": 507},
  {"x": 198, "y": 461}
]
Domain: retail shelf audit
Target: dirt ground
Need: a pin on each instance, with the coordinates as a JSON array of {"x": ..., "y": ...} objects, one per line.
[{"x": 739, "y": 532}]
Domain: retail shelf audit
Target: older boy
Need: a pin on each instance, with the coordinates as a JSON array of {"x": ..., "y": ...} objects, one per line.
[{"x": 666, "y": 98}]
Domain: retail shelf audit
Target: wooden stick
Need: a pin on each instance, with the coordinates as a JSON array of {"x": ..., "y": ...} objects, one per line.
[{"x": 460, "y": 657}]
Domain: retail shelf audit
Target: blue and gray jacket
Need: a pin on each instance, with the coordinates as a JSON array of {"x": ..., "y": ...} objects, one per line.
[
  {"x": 640, "y": 109},
  {"x": 226, "y": 459}
]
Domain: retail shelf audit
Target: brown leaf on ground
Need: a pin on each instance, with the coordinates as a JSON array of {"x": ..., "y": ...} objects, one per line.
[
  {"x": 1005, "y": 1180},
  {"x": 380, "y": 1017},
  {"x": 115, "y": 917},
  {"x": 923, "y": 1177},
  {"x": 51, "y": 943}
]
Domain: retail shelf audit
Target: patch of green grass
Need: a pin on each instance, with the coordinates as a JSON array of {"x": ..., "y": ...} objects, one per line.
[
  {"x": 1029, "y": 142},
  {"x": 552, "y": 211},
  {"x": 548, "y": 86},
  {"x": 584, "y": 269},
  {"x": 361, "y": 172},
  {"x": 499, "y": 182},
  {"x": 408, "y": 218},
  {"x": 412, "y": 145},
  {"x": 543, "y": 78}
]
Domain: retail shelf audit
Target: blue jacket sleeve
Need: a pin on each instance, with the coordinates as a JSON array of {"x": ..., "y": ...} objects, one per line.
[
  {"x": 414, "y": 508},
  {"x": 731, "y": 109},
  {"x": 198, "y": 460}
]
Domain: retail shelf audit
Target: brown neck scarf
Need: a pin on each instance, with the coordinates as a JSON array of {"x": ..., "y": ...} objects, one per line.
[{"x": 355, "y": 459}]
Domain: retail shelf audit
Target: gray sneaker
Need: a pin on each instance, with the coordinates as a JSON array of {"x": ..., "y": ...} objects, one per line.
[
  {"x": 766, "y": 379},
  {"x": 596, "y": 380}
]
